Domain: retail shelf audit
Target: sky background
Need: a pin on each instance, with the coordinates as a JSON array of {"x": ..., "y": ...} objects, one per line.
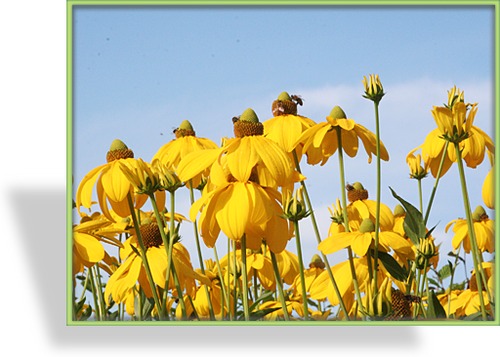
[
  {"x": 140, "y": 71},
  {"x": 33, "y": 69}
]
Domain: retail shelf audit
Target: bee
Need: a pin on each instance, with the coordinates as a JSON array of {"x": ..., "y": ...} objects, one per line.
[
  {"x": 297, "y": 99},
  {"x": 235, "y": 119},
  {"x": 175, "y": 130},
  {"x": 279, "y": 108}
]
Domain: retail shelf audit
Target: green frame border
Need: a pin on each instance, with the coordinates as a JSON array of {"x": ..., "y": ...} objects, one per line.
[{"x": 70, "y": 7}]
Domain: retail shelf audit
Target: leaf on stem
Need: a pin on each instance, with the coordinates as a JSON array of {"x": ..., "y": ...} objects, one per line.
[{"x": 413, "y": 224}]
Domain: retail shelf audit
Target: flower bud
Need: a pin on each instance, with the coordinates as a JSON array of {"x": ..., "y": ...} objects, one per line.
[{"x": 373, "y": 88}]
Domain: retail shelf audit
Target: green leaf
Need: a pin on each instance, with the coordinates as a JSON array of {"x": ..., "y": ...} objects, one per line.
[
  {"x": 445, "y": 271},
  {"x": 433, "y": 282},
  {"x": 434, "y": 310},
  {"x": 392, "y": 266},
  {"x": 413, "y": 224}
]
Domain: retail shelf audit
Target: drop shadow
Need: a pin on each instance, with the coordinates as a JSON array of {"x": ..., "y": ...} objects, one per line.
[{"x": 44, "y": 242}]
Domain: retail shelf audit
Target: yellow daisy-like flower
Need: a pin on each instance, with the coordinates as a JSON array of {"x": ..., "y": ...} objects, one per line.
[
  {"x": 242, "y": 208},
  {"x": 132, "y": 269},
  {"x": 361, "y": 241},
  {"x": 324, "y": 136},
  {"x": 286, "y": 126},
  {"x": 88, "y": 237},
  {"x": 316, "y": 267},
  {"x": 111, "y": 184},
  {"x": 468, "y": 301},
  {"x": 288, "y": 265},
  {"x": 488, "y": 189},
  {"x": 322, "y": 288},
  {"x": 360, "y": 207},
  {"x": 247, "y": 157},
  {"x": 455, "y": 125},
  {"x": 200, "y": 303},
  {"x": 417, "y": 171},
  {"x": 484, "y": 229},
  {"x": 258, "y": 265},
  {"x": 185, "y": 143}
]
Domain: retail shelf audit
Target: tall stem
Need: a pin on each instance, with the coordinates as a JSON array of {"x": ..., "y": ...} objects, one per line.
[
  {"x": 301, "y": 270},
  {"x": 472, "y": 234},
  {"x": 200, "y": 257},
  {"x": 279, "y": 284},
  {"x": 160, "y": 307},
  {"x": 438, "y": 176},
  {"x": 318, "y": 239},
  {"x": 244, "y": 275},
  {"x": 346, "y": 217},
  {"x": 377, "y": 214}
]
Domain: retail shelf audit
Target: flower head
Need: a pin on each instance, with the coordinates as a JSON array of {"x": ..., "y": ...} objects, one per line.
[
  {"x": 373, "y": 88},
  {"x": 323, "y": 137},
  {"x": 111, "y": 184},
  {"x": 417, "y": 171},
  {"x": 286, "y": 126},
  {"x": 455, "y": 126},
  {"x": 186, "y": 142},
  {"x": 484, "y": 229}
]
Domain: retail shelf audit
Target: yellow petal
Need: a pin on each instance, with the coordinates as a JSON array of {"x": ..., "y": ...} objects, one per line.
[
  {"x": 196, "y": 162},
  {"x": 242, "y": 160},
  {"x": 232, "y": 210},
  {"x": 88, "y": 247}
]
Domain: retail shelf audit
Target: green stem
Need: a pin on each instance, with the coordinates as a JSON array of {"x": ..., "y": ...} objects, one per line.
[
  {"x": 470, "y": 227},
  {"x": 420, "y": 195},
  {"x": 377, "y": 214},
  {"x": 244, "y": 275},
  {"x": 436, "y": 182},
  {"x": 279, "y": 284},
  {"x": 160, "y": 307},
  {"x": 225, "y": 293},
  {"x": 301, "y": 270},
  {"x": 94, "y": 294},
  {"x": 200, "y": 257},
  {"x": 346, "y": 217},
  {"x": 318, "y": 239}
]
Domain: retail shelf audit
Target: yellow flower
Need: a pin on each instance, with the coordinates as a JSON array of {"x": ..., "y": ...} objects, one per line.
[
  {"x": 316, "y": 267},
  {"x": 322, "y": 287},
  {"x": 185, "y": 143},
  {"x": 468, "y": 302},
  {"x": 286, "y": 126},
  {"x": 242, "y": 208},
  {"x": 249, "y": 157},
  {"x": 361, "y": 241},
  {"x": 200, "y": 302},
  {"x": 324, "y": 137},
  {"x": 484, "y": 229},
  {"x": 132, "y": 270},
  {"x": 373, "y": 88},
  {"x": 417, "y": 171},
  {"x": 88, "y": 237},
  {"x": 111, "y": 184},
  {"x": 288, "y": 265},
  {"x": 455, "y": 126},
  {"x": 360, "y": 207},
  {"x": 488, "y": 190}
]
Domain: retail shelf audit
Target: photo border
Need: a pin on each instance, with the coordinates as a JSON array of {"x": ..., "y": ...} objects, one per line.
[{"x": 73, "y": 5}]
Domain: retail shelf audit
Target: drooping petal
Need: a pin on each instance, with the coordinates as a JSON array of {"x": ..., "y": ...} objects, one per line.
[
  {"x": 196, "y": 162},
  {"x": 84, "y": 192},
  {"x": 241, "y": 161},
  {"x": 232, "y": 210},
  {"x": 88, "y": 247}
]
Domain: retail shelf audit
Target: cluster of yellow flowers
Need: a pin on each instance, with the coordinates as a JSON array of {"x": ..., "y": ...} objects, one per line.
[{"x": 251, "y": 191}]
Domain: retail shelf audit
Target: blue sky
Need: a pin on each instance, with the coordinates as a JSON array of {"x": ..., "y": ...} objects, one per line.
[{"x": 139, "y": 71}]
